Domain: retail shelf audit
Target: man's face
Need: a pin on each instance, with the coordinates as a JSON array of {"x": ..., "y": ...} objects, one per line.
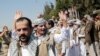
[
  {"x": 41, "y": 29},
  {"x": 98, "y": 17},
  {"x": 60, "y": 22},
  {"x": 47, "y": 25},
  {"x": 5, "y": 28},
  {"x": 23, "y": 30}
]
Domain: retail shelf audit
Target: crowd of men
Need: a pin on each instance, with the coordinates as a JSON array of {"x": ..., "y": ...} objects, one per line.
[{"x": 69, "y": 36}]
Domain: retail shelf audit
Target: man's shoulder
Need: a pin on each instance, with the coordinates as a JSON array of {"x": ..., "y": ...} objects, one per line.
[
  {"x": 13, "y": 44},
  {"x": 33, "y": 39}
]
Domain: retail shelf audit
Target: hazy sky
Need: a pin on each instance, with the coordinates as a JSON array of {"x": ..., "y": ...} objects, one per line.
[{"x": 30, "y": 9}]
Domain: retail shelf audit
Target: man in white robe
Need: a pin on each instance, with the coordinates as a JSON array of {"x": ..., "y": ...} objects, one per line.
[{"x": 26, "y": 40}]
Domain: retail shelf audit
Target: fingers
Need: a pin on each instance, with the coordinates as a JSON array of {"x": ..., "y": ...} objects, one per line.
[
  {"x": 18, "y": 14},
  {"x": 62, "y": 15}
]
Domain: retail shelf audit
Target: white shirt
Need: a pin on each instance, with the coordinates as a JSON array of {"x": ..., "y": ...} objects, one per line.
[
  {"x": 25, "y": 51},
  {"x": 64, "y": 34},
  {"x": 40, "y": 39},
  {"x": 51, "y": 30}
]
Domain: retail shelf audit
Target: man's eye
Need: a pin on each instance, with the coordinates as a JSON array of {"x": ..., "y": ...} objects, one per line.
[
  {"x": 41, "y": 26},
  {"x": 25, "y": 29},
  {"x": 18, "y": 30}
]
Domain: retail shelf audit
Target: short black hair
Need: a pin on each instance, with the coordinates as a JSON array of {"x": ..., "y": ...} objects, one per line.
[
  {"x": 5, "y": 27},
  {"x": 51, "y": 22},
  {"x": 24, "y": 18}
]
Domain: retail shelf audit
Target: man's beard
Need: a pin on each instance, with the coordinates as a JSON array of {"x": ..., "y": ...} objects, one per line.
[{"x": 24, "y": 38}]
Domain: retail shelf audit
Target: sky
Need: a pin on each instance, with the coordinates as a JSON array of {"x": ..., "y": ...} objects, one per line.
[{"x": 29, "y": 8}]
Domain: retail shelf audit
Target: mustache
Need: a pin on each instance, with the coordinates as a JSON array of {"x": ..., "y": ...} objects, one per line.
[
  {"x": 26, "y": 38},
  {"x": 23, "y": 36}
]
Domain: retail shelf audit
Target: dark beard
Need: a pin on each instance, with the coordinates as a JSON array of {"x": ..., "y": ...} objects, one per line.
[{"x": 24, "y": 38}]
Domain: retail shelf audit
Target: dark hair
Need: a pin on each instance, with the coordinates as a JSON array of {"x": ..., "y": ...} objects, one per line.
[
  {"x": 50, "y": 22},
  {"x": 5, "y": 27},
  {"x": 25, "y": 18}
]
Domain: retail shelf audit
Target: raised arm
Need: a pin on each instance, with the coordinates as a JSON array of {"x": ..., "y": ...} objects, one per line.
[
  {"x": 2, "y": 34},
  {"x": 18, "y": 14},
  {"x": 63, "y": 17},
  {"x": 5, "y": 29}
]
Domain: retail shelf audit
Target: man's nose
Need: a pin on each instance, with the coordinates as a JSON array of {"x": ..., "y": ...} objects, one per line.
[
  {"x": 43, "y": 27},
  {"x": 21, "y": 32}
]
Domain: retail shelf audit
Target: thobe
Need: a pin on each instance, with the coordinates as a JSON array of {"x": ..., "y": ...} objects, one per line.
[
  {"x": 62, "y": 37},
  {"x": 14, "y": 49}
]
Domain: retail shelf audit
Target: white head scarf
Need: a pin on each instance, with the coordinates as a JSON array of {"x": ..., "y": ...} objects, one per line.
[{"x": 39, "y": 21}]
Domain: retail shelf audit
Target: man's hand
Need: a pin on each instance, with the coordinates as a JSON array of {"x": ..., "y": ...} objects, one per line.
[
  {"x": 62, "y": 15},
  {"x": 18, "y": 15}
]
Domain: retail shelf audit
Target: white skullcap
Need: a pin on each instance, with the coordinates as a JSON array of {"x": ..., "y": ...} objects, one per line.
[
  {"x": 96, "y": 11},
  {"x": 39, "y": 21},
  {"x": 88, "y": 17},
  {"x": 78, "y": 22},
  {"x": 71, "y": 21}
]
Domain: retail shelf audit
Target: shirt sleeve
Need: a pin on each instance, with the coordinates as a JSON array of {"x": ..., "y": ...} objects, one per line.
[{"x": 63, "y": 35}]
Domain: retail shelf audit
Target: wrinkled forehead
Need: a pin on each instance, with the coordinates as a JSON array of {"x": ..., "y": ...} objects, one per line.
[{"x": 41, "y": 25}]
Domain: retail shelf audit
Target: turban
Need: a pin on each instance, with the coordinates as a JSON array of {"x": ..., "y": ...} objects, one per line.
[{"x": 39, "y": 21}]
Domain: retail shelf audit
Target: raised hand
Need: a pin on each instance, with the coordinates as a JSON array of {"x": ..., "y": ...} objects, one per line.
[
  {"x": 18, "y": 15},
  {"x": 62, "y": 15},
  {"x": 63, "y": 18}
]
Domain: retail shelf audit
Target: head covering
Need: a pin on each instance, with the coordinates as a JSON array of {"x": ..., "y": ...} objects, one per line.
[
  {"x": 40, "y": 21},
  {"x": 96, "y": 11},
  {"x": 88, "y": 17},
  {"x": 71, "y": 22},
  {"x": 77, "y": 22}
]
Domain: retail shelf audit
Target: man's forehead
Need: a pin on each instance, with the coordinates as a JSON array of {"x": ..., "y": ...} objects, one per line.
[
  {"x": 42, "y": 24},
  {"x": 21, "y": 23}
]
